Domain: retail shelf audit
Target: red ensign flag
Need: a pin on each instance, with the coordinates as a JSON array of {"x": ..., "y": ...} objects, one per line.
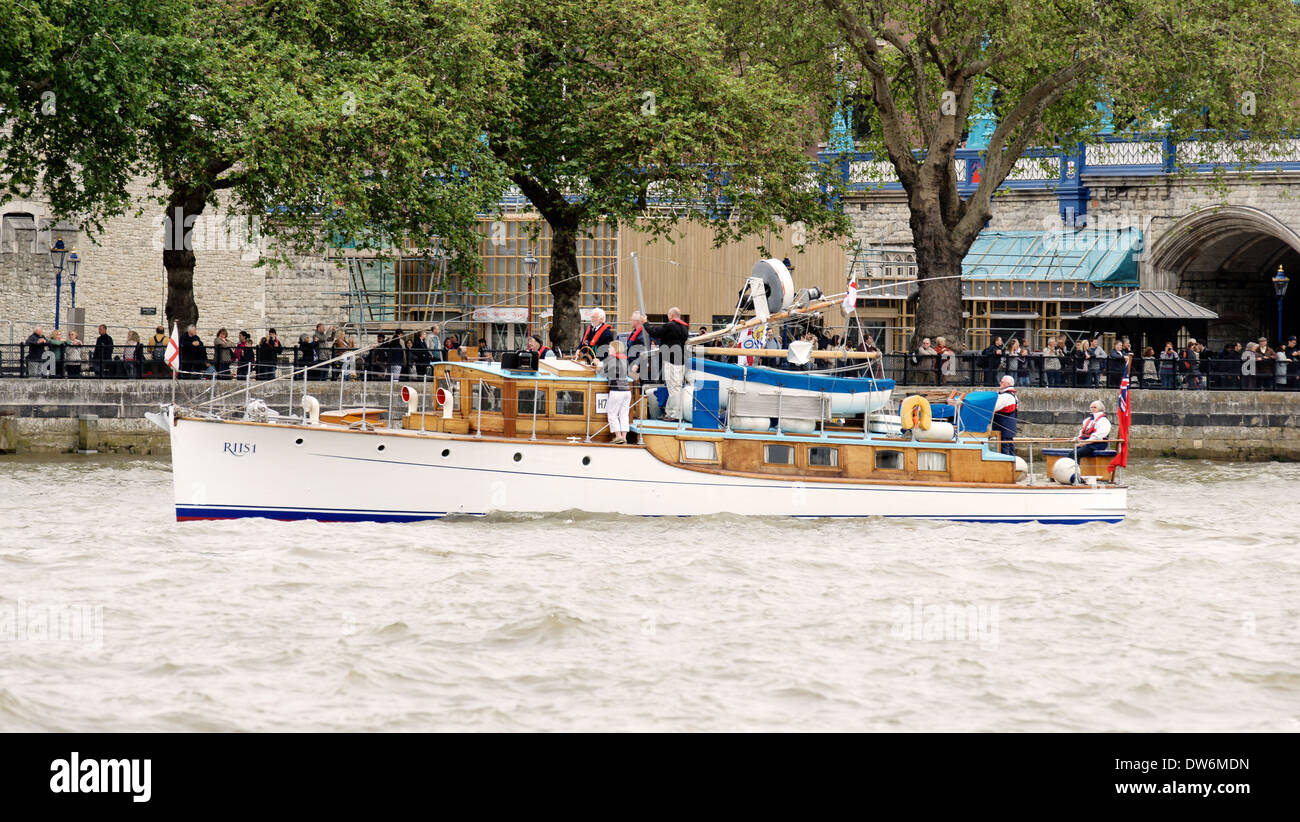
[{"x": 1125, "y": 416}]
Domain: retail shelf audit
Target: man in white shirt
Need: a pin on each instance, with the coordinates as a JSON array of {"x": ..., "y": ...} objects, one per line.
[{"x": 1095, "y": 431}]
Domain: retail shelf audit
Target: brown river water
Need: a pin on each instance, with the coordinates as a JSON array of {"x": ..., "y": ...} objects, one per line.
[{"x": 115, "y": 617}]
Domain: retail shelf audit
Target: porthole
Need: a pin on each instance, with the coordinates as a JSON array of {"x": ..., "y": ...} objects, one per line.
[
  {"x": 446, "y": 452},
  {"x": 518, "y": 456},
  {"x": 379, "y": 447},
  {"x": 586, "y": 460},
  {"x": 298, "y": 441}
]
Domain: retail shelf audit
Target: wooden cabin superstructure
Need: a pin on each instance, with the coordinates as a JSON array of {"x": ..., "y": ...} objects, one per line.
[{"x": 488, "y": 401}]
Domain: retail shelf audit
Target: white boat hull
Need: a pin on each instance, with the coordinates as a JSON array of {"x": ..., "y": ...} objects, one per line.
[{"x": 235, "y": 469}]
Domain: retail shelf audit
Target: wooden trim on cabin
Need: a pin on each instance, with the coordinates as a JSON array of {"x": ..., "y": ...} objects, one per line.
[
  {"x": 857, "y": 462},
  {"x": 864, "y": 480},
  {"x": 509, "y": 407}
]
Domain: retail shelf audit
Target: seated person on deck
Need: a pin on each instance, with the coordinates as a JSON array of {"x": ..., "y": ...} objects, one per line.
[{"x": 1095, "y": 431}]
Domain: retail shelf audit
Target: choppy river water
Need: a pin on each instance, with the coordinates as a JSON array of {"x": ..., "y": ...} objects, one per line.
[{"x": 115, "y": 617}]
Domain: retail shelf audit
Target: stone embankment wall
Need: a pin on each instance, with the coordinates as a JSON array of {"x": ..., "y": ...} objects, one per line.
[
  {"x": 46, "y": 416},
  {"x": 43, "y": 416}
]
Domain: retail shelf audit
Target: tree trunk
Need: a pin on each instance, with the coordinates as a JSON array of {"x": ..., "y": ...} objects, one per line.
[
  {"x": 183, "y": 207},
  {"x": 566, "y": 284},
  {"x": 938, "y": 271}
]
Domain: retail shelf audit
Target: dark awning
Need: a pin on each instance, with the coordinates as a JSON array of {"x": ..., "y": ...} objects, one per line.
[{"x": 1149, "y": 305}]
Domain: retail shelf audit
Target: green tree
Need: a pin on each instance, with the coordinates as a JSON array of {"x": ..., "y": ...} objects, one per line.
[
  {"x": 78, "y": 80},
  {"x": 927, "y": 65},
  {"x": 332, "y": 118},
  {"x": 615, "y": 104},
  {"x": 320, "y": 118}
]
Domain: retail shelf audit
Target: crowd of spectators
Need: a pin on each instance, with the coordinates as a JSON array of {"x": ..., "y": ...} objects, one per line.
[
  {"x": 1087, "y": 363},
  {"x": 330, "y": 352},
  {"x": 333, "y": 353}
]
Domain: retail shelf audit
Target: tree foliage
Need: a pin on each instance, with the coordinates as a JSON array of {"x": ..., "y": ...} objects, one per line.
[
  {"x": 1040, "y": 70},
  {"x": 335, "y": 118},
  {"x": 78, "y": 81},
  {"x": 631, "y": 110},
  {"x": 319, "y": 118}
]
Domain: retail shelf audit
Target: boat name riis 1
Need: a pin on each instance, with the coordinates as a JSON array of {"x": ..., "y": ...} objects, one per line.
[{"x": 239, "y": 449}]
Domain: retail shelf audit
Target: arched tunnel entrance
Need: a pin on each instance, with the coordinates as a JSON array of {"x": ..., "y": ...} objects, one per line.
[{"x": 1224, "y": 259}]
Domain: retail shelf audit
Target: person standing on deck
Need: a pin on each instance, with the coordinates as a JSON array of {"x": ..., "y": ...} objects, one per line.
[
  {"x": 597, "y": 336},
  {"x": 638, "y": 341},
  {"x": 1004, "y": 415},
  {"x": 672, "y": 337},
  {"x": 1095, "y": 431},
  {"x": 619, "y": 373}
]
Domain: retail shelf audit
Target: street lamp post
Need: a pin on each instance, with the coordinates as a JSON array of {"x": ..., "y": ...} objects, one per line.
[
  {"x": 58, "y": 252},
  {"x": 74, "y": 261},
  {"x": 1280, "y": 282},
  {"x": 530, "y": 267}
]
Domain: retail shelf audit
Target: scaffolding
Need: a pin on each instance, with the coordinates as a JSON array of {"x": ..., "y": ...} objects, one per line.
[
  {"x": 410, "y": 290},
  {"x": 384, "y": 294}
]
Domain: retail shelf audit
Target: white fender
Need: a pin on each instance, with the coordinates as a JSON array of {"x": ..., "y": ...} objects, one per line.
[
  {"x": 1065, "y": 471},
  {"x": 937, "y": 432}
]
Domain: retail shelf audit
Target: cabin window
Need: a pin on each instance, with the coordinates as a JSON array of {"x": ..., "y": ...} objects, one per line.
[
  {"x": 932, "y": 461},
  {"x": 699, "y": 451},
  {"x": 889, "y": 460},
  {"x": 487, "y": 397},
  {"x": 778, "y": 454},
  {"x": 569, "y": 402},
  {"x": 820, "y": 456},
  {"x": 532, "y": 400}
]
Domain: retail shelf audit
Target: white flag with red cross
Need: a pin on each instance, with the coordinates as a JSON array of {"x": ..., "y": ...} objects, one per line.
[
  {"x": 174, "y": 350},
  {"x": 851, "y": 298}
]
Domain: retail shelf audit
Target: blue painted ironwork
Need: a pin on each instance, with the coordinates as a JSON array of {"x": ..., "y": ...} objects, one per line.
[{"x": 1109, "y": 155}]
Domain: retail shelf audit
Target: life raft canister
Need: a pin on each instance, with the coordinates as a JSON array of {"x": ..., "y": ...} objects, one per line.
[{"x": 914, "y": 413}]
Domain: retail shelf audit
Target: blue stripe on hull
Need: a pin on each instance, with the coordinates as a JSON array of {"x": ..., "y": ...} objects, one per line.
[
  {"x": 205, "y": 512},
  {"x": 194, "y": 512}
]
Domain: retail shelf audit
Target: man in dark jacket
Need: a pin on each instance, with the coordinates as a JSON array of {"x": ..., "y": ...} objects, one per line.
[
  {"x": 396, "y": 351},
  {"x": 419, "y": 354},
  {"x": 36, "y": 346},
  {"x": 638, "y": 343},
  {"x": 308, "y": 352},
  {"x": 101, "y": 359},
  {"x": 672, "y": 337},
  {"x": 1115, "y": 364},
  {"x": 194, "y": 354},
  {"x": 993, "y": 361},
  {"x": 268, "y": 355}
]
